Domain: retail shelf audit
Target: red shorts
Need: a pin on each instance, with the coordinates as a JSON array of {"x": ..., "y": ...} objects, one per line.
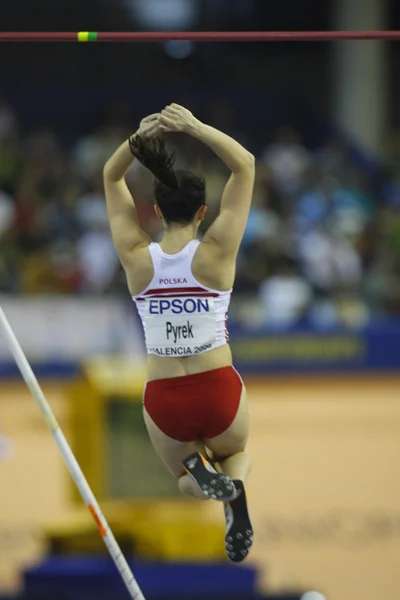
[{"x": 194, "y": 406}]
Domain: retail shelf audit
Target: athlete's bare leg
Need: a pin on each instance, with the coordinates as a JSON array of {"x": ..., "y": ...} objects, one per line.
[
  {"x": 228, "y": 448},
  {"x": 229, "y": 451},
  {"x": 172, "y": 453}
]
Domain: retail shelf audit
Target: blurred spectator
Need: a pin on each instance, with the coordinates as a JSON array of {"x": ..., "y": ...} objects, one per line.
[
  {"x": 92, "y": 152},
  {"x": 328, "y": 261},
  {"x": 97, "y": 258},
  {"x": 7, "y": 212},
  {"x": 8, "y": 121},
  {"x": 37, "y": 274},
  {"x": 264, "y": 233},
  {"x": 333, "y": 158},
  {"x": 91, "y": 210},
  {"x": 315, "y": 204},
  {"x": 288, "y": 161},
  {"x": 64, "y": 260},
  {"x": 285, "y": 295},
  {"x": 391, "y": 152},
  {"x": 10, "y": 163},
  {"x": 391, "y": 191}
]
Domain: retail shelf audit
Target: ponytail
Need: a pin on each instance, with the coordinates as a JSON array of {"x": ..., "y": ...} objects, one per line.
[
  {"x": 153, "y": 155},
  {"x": 179, "y": 194}
]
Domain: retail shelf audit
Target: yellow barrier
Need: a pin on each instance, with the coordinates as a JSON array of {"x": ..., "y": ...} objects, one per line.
[
  {"x": 174, "y": 531},
  {"x": 102, "y": 406}
]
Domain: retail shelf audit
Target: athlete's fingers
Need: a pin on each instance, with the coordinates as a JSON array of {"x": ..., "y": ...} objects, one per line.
[
  {"x": 148, "y": 123},
  {"x": 151, "y": 126},
  {"x": 153, "y": 123},
  {"x": 150, "y": 118},
  {"x": 152, "y": 131},
  {"x": 171, "y": 110},
  {"x": 167, "y": 121}
]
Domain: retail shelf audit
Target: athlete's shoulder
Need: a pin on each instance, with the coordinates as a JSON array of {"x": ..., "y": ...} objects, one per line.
[{"x": 211, "y": 269}]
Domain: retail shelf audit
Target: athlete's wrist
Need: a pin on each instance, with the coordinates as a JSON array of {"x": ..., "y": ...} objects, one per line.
[
  {"x": 131, "y": 143},
  {"x": 194, "y": 128}
]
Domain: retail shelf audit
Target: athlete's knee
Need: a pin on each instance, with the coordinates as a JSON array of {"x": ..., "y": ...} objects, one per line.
[
  {"x": 230, "y": 448},
  {"x": 189, "y": 488}
]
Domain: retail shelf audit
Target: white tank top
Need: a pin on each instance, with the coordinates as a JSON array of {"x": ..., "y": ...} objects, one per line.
[{"x": 180, "y": 316}]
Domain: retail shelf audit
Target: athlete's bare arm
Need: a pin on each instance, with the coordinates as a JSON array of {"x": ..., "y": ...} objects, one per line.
[
  {"x": 228, "y": 229},
  {"x": 125, "y": 228}
]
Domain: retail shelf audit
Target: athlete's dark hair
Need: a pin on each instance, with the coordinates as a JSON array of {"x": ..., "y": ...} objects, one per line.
[{"x": 179, "y": 194}]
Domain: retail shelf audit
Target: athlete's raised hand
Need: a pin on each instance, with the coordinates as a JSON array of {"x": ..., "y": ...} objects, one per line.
[
  {"x": 149, "y": 126},
  {"x": 177, "y": 118}
]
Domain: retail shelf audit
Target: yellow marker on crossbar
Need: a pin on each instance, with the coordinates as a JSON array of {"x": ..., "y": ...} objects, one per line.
[{"x": 87, "y": 36}]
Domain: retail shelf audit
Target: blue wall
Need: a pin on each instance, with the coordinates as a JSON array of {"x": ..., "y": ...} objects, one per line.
[{"x": 304, "y": 350}]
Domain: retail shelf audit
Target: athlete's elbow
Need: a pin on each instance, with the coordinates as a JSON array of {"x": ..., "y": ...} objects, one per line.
[
  {"x": 250, "y": 160},
  {"x": 247, "y": 162},
  {"x": 107, "y": 170},
  {"x": 109, "y": 173}
]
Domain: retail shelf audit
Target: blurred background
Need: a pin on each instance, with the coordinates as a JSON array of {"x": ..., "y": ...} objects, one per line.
[{"x": 314, "y": 322}]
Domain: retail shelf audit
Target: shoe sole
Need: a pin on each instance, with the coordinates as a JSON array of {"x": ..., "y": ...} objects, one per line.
[
  {"x": 216, "y": 486},
  {"x": 239, "y": 537}
]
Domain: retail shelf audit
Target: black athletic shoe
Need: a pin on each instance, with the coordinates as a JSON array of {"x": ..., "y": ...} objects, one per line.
[
  {"x": 217, "y": 486},
  {"x": 239, "y": 532}
]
